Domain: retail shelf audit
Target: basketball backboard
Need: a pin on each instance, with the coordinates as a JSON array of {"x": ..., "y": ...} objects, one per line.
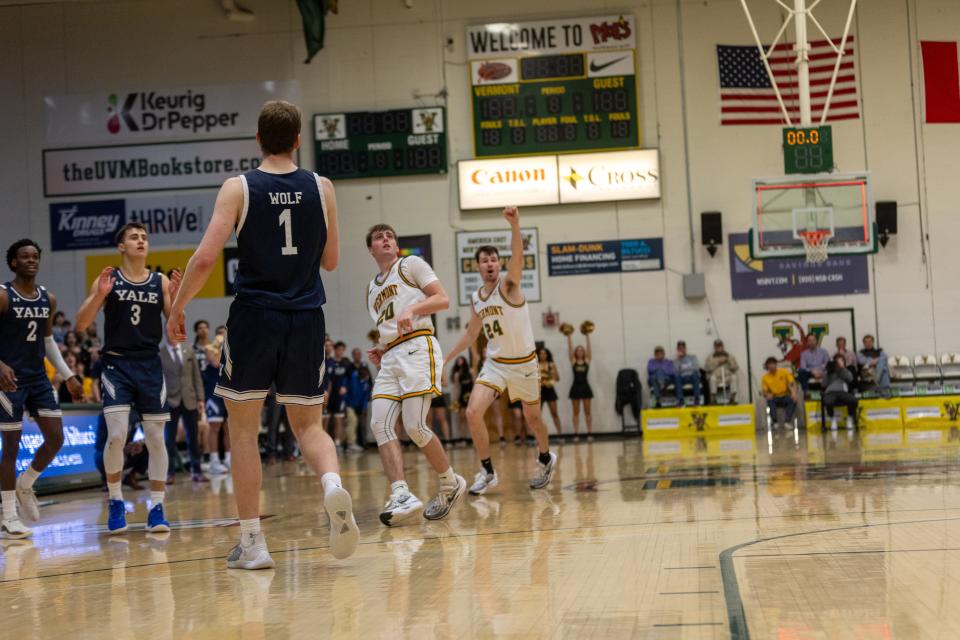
[{"x": 784, "y": 208}]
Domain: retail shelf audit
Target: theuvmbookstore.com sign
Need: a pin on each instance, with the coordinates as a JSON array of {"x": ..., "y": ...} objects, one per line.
[
  {"x": 541, "y": 180},
  {"x": 142, "y": 114},
  {"x": 468, "y": 276},
  {"x": 159, "y": 166}
]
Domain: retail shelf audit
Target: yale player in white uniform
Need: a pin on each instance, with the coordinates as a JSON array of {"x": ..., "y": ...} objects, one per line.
[
  {"x": 400, "y": 300},
  {"x": 511, "y": 365}
]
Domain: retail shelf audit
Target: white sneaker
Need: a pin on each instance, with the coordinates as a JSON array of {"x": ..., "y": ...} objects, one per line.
[
  {"x": 27, "y": 499},
  {"x": 482, "y": 482},
  {"x": 14, "y": 529},
  {"x": 833, "y": 424},
  {"x": 344, "y": 533},
  {"x": 544, "y": 473},
  {"x": 354, "y": 448},
  {"x": 400, "y": 507},
  {"x": 217, "y": 468},
  {"x": 250, "y": 553},
  {"x": 849, "y": 426},
  {"x": 440, "y": 505}
]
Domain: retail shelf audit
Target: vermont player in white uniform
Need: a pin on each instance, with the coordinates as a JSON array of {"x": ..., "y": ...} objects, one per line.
[
  {"x": 400, "y": 300},
  {"x": 500, "y": 309}
]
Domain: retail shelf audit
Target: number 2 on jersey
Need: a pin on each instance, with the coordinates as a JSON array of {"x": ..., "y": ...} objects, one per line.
[
  {"x": 286, "y": 221},
  {"x": 32, "y": 331},
  {"x": 493, "y": 329}
]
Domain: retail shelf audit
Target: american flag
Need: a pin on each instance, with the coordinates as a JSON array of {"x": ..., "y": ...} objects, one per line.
[{"x": 747, "y": 97}]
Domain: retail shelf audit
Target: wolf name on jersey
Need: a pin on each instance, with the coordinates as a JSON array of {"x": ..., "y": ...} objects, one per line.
[
  {"x": 506, "y": 326},
  {"x": 22, "y": 329},
  {"x": 133, "y": 316},
  {"x": 390, "y": 294},
  {"x": 280, "y": 240}
]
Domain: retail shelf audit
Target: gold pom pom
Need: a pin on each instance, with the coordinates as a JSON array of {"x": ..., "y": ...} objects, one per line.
[
  {"x": 566, "y": 329},
  {"x": 587, "y": 327}
]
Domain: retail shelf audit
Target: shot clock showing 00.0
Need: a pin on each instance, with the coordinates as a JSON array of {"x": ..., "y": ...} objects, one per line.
[{"x": 808, "y": 149}]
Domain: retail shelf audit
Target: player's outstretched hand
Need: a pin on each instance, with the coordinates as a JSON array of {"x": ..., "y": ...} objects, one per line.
[
  {"x": 512, "y": 215},
  {"x": 75, "y": 387},
  {"x": 176, "y": 277},
  {"x": 8, "y": 379},
  {"x": 374, "y": 355},
  {"x": 105, "y": 282},
  {"x": 177, "y": 328}
]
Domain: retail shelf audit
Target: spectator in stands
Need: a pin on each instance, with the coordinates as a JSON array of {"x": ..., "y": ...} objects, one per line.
[
  {"x": 686, "y": 371},
  {"x": 358, "y": 363},
  {"x": 60, "y": 326},
  {"x": 185, "y": 394},
  {"x": 95, "y": 368},
  {"x": 836, "y": 391},
  {"x": 462, "y": 377},
  {"x": 849, "y": 357},
  {"x": 813, "y": 362},
  {"x": 60, "y": 384},
  {"x": 722, "y": 371},
  {"x": 71, "y": 344},
  {"x": 780, "y": 390},
  {"x": 91, "y": 339},
  {"x": 873, "y": 365},
  {"x": 359, "y": 390},
  {"x": 659, "y": 374}
]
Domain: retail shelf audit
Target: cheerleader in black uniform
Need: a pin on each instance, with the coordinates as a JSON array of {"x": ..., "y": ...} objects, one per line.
[
  {"x": 549, "y": 377},
  {"x": 580, "y": 391}
]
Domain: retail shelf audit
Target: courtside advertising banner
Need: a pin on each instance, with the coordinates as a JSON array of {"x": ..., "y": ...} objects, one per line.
[
  {"x": 141, "y": 114},
  {"x": 468, "y": 277},
  {"x": 163, "y": 166},
  {"x": 176, "y": 219}
]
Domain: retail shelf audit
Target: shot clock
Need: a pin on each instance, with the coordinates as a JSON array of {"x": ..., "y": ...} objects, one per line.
[
  {"x": 372, "y": 144},
  {"x": 808, "y": 149}
]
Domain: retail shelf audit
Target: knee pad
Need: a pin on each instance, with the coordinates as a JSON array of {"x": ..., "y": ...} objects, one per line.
[
  {"x": 383, "y": 420},
  {"x": 157, "y": 448},
  {"x": 118, "y": 423},
  {"x": 415, "y": 420}
]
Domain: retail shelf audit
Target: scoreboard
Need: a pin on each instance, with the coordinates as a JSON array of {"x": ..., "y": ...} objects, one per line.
[
  {"x": 374, "y": 144},
  {"x": 808, "y": 149},
  {"x": 576, "y": 95}
]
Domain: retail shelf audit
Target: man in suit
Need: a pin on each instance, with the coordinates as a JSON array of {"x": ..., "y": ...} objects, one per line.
[{"x": 185, "y": 397}]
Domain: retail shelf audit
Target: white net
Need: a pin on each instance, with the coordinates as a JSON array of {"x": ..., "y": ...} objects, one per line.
[{"x": 815, "y": 244}]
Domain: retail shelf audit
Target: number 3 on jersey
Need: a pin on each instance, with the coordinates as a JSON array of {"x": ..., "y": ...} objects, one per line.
[
  {"x": 493, "y": 329},
  {"x": 135, "y": 314},
  {"x": 386, "y": 314}
]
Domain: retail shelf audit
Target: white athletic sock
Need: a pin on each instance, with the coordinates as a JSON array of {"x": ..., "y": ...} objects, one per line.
[
  {"x": 249, "y": 529},
  {"x": 400, "y": 486},
  {"x": 215, "y": 457},
  {"x": 226, "y": 458},
  {"x": 156, "y": 497},
  {"x": 448, "y": 478},
  {"x": 330, "y": 481},
  {"x": 9, "y": 504},
  {"x": 115, "y": 490},
  {"x": 28, "y": 477}
]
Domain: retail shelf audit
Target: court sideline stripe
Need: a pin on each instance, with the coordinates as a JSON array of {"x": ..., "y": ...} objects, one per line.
[{"x": 736, "y": 617}]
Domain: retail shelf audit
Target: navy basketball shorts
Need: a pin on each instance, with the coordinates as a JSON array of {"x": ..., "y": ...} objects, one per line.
[
  {"x": 271, "y": 346},
  {"x": 36, "y": 396},
  {"x": 134, "y": 383},
  {"x": 216, "y": 410}
]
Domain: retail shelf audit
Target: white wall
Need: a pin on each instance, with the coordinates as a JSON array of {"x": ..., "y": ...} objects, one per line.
[{"x": 378, "y": 53}]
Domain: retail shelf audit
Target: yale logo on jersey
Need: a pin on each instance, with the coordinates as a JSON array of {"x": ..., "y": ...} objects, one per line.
[
  {"x": 32, "y": 312},
  {"x": 130, "y": 295},
  {"x": 286, "y": 198},
  {"x": 495, "y": 310},
  {"x": 383, "y": 296}
]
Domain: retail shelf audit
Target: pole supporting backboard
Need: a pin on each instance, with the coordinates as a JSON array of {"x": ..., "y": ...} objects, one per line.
[{"x": 799, "y": 14}]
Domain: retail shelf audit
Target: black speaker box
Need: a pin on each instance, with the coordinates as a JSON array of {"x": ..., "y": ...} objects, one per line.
[
  {"x": 711, "y": 228},
  {"x": 887, "y": 216}
]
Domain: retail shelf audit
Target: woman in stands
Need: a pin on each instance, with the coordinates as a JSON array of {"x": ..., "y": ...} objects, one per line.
[
  {"x": 580, "y": 391},
  {"x": 549, "y": 377}
]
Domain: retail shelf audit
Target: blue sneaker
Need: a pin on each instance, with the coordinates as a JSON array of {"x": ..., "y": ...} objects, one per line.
[
  {"x": 156, "y": 523},
  {"x": 117, "y": 520}
]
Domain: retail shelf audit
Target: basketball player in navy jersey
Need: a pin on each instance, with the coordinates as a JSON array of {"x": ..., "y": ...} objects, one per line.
[
  {"x": 133, "y": 299},
  {"x": 26, "y": 336},
  {"x": 285, "y": 219}
]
